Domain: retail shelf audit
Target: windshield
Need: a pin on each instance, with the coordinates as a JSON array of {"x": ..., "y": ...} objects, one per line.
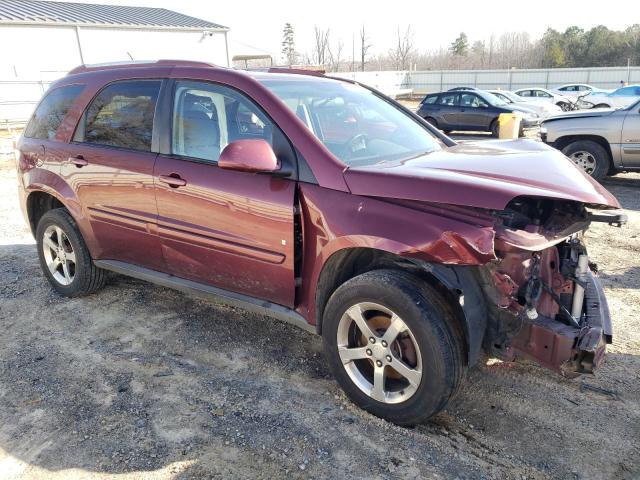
[
  {"x": 491, "y": 99},
  {"x": 356, "y": 125}
]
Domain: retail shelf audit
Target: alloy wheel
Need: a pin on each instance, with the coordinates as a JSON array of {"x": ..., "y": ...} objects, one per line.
[
  {"x": 584, "y": 160},
  {"x": 379, "y": 353},
  {"x": 59, "y": 255}
]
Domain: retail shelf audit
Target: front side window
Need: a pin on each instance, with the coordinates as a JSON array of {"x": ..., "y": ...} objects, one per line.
[
  {"x": 207, "y": 117},
  {"x": 471, "y": 100},
  {"x": 355, "y": 124},
  {"x": 122, "y": 115},
  {"x": 52, "y": 109}
]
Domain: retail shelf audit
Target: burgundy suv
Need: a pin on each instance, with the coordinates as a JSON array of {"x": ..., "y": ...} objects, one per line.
[{"x": 323, "y": 203}]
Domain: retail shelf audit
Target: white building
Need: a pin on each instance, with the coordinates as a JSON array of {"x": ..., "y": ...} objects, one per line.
[{"x": 42, "y": 40}]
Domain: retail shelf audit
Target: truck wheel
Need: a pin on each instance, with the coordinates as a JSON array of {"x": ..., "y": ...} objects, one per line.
[
  {"x": 590, "y": 157},
  {"x": 392, "y": 342},
  {"x": 64, "y": 257}
]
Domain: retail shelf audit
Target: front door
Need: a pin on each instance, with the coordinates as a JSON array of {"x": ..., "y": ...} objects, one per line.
[
  {"x": 631, "y": 139},
  {"x": 110, "y": 168},
  {"x": 474, "y": 112},
  {"x": 230, "y": 229}
]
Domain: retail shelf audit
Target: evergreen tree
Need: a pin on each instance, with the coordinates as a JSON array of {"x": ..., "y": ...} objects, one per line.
[{"x": 288, "y": 44}]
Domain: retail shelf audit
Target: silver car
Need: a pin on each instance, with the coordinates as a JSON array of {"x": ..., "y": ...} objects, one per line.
[{"x": 600, "y": 141}]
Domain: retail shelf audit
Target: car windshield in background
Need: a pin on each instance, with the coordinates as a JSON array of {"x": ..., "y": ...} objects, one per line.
[
  {"x": 493, "y": 100},
  {"x": 355, "y": 124}
]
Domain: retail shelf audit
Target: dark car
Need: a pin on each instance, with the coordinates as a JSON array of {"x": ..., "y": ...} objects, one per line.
[
  {"x": 470, "y": 110},
  {"x": 324, "y": 204}
]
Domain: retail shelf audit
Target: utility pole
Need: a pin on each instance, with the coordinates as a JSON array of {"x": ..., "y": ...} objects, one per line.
[{"x": 353, "y": 52}]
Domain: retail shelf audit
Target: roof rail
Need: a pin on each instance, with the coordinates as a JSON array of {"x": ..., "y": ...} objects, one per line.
[
  {"x": 298, "y": 71},
  {"x": 138, "y": 63}
]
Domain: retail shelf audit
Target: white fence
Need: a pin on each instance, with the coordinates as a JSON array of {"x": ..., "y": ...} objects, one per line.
[
  {"x": 437, "y": 80},
  {"x": 19, "y": 97}
]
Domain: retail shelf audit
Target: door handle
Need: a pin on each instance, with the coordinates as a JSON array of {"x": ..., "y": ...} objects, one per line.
[
  {"x": 173, "y": 180},
  {"x": 78, "y": 161}
]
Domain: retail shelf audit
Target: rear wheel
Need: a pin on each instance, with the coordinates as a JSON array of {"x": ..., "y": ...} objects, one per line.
[
  {"x": 432, "y": 121},
  {"x": 590, "y": 157},
  {"x": 602, "y": 105},
  {"x": 64, "y": 257},
  {"x": 392, "y": 344}
]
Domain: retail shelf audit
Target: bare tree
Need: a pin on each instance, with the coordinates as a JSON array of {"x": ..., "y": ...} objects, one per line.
[
  {"x": 321, "y": 45},
  {"x": 334, "y": 54},
  {"x": 403, "y": 50},
  {"x": 364, "y": 48}
]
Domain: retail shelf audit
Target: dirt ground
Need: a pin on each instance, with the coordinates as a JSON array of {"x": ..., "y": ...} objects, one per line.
[{"x": 141, "y": 382}]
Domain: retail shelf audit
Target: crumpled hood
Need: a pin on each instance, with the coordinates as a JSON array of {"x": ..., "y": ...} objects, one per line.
[
  {"x": 485, "y": 174},
  {"x": 592, "y": 112}
]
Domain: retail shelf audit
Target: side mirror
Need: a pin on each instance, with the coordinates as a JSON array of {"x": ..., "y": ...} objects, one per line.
[{"x": 249, "y": 155}]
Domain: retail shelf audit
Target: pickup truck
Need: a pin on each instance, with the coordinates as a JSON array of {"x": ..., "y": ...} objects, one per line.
[{"x": 600, "y": 141}]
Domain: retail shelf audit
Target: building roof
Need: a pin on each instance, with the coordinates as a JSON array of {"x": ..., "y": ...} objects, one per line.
[{"x": 35, "y": 12}]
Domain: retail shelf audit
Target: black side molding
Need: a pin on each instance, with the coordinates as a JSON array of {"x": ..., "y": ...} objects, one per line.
[{"x": 207, "y": 292}]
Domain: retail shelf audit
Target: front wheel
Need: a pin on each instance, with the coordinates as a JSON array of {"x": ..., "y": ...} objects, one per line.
[
  {"x": 564, "y": 106},
  {"x": 590, "y": 157},
  {"x": 392, "y": 343}
]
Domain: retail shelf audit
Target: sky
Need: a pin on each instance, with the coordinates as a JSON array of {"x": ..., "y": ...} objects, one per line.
[{"x": 259, "y": 23}]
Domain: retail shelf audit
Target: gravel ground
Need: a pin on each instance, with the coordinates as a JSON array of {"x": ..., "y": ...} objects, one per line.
[{"x": 140, "y": 382}]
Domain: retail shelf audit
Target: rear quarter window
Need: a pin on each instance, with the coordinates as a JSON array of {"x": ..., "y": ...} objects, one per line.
[
  {"x": 430, "y": 99},
  {"x": 50, "y": 113}
]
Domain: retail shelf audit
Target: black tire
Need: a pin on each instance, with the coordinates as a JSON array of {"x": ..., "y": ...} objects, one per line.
[
  {"x": 602, "y": 105},
  {"x": 600, "y": 155},
  {"x": 495, "y": 128},
  {"x": 564, "y": 106},
  {"x": 87, "y": 277},
  {"x": 433, "y": 324},
  {"x": 432, "y": 121}
]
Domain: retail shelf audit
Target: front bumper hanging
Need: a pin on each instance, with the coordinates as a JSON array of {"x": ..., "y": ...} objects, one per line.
[{"x": 569, "y": 350}]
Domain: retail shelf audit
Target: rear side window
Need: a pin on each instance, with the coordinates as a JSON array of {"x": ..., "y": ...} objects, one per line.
[
  {"x": 430, "y": 99},
  {"x": 122, "y": 115},
  {"x": 52, "y": 109}
]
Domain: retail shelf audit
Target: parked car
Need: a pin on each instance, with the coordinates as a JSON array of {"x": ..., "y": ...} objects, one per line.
[
  {"x": 620, "y": 98},
  {"x": 574, "y": 89},
  {"x": 542, "y": 95},
  {"x": 542, "y": 109},
  {"x": 325, "y": 204},
  {"x": 601, "y": 142},
  {"x": 470, "y": 110}
]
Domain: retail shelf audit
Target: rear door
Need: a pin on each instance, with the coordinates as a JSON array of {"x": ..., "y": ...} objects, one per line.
[
  {"x": 230, "y": 229},
  {"x": 631, "y": 138},
  {"x": 448, "y": 105},
  {"x": 110, "y": 167}
]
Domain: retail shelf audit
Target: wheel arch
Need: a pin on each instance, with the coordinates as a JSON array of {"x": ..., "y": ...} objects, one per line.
[
  {"x": 453, "y": 282},
  {"x": 38, "y": 203}
]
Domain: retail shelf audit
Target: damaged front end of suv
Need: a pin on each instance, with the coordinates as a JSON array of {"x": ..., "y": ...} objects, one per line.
[
  {"x": 543, "y": 300},
  {"x": 516, "y": 256}
]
